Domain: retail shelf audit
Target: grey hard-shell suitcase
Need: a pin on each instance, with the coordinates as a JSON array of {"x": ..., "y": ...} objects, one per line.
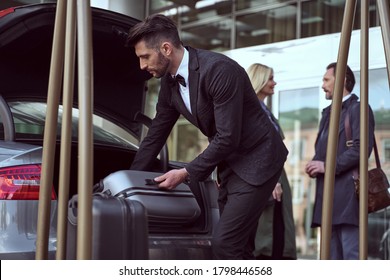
[
  {"x": 178, "y": 206},
  {"x": 119, "y": 229}
]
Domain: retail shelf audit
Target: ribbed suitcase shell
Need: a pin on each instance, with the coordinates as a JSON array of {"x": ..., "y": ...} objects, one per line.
[
  {"x": 119, "y": 229},
  {"x": 178, "y": 206}
]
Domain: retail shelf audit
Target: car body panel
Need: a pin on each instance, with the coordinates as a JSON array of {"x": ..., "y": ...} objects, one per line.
[
  {"x": 18, "y": 229},
  {"x": 13, "y": 153}
]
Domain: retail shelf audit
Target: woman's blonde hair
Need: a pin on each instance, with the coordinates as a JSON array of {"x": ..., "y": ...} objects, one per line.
[{"x": 259, "y": 74}]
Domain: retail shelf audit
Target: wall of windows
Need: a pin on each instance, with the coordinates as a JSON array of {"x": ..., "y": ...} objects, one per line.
[{"x": 222, "y": 25}]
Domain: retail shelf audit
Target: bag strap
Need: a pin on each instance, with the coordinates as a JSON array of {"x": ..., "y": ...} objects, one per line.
[{"x": 348, "y": 133}]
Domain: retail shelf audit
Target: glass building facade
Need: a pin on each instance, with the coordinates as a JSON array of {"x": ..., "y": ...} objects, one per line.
[{"x": 222, "y": 25}]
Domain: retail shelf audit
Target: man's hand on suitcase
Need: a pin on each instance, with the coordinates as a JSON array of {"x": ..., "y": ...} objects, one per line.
[{"x": 172, "y": 178}]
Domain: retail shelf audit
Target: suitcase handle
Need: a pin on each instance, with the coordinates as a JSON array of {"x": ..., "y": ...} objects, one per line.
[{"x": 151, "y": 182}]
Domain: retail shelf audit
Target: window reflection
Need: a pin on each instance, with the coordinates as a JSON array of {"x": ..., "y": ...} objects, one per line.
[
  {"x": 326, "y": 16},
  {"x": 386, "y": 149},
  {"x": 245, "y": 4},
  {"x": 299, "y": 118},
  {"x": 205, "y": 10},
  {"x": 252, "y": 22},
  {"x": 267, "y": 26},
  {"x": 214, "y": 36}
]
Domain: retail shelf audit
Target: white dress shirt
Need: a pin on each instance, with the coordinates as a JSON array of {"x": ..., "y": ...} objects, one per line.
[{"x": 183, "y": 71}]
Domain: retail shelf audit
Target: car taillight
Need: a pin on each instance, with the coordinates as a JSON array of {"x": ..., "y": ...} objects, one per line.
[
  {"x": 6, "y": 12},
  {"x": 21, "y": 182}
]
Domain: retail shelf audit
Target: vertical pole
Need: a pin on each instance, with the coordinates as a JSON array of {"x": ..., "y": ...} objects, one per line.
[
  {"x": 66, "y": 133},
  {"x": 327, "y": 207},
  {"x": 85, "y": 162},
  {"x": 363, "y": 171},
  {"x": 50, "y": 134},
  {"x": 384, "y": 13}
]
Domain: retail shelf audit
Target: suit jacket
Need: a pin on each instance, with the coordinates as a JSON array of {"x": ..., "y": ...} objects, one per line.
[
  {"x": 345, "y": 201},
  {"x": 225, "y": 108}
]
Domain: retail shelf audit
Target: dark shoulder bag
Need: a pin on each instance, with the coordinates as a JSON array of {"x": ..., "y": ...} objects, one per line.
[{"x": 378, "y": 185}]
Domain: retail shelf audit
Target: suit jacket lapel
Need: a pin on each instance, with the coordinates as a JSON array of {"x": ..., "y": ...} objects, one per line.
[
  {"x": 178, "y": 102},
  {"x": 193, "y": 79},
  {"x": 323, "y": 123}
]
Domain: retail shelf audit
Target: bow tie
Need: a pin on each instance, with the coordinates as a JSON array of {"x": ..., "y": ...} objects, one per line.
[{"x": 180, "y": 80}]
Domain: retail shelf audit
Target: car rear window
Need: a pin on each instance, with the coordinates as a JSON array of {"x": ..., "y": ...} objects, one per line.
[{"x": 29, "y": 121}]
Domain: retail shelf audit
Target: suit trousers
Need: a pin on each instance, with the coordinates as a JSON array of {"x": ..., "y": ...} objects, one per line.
[
  {"x": 240, "y": 206},
  {"x": 344, "y": 243}
]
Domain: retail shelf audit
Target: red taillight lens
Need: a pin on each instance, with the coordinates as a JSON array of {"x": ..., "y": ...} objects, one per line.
[
  {"x": 6, "y": 12},
  {"x": 21, "y": 182}
]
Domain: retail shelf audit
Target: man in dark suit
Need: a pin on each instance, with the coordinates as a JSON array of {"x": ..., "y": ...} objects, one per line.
[
  {"x": 345, "y": 219},
  {"x": 215, "y": 95}
]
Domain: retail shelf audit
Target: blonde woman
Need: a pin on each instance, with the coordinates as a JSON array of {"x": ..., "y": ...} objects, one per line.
[{"x": 275, "y": 237}]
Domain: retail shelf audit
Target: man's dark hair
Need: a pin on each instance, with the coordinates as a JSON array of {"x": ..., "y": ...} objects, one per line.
[
  {"x": 154, "y": 30},
  {"x": 349, "y": 76}
]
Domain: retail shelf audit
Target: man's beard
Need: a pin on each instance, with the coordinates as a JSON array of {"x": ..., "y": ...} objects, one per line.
[{"x": 162, "y": 66}]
